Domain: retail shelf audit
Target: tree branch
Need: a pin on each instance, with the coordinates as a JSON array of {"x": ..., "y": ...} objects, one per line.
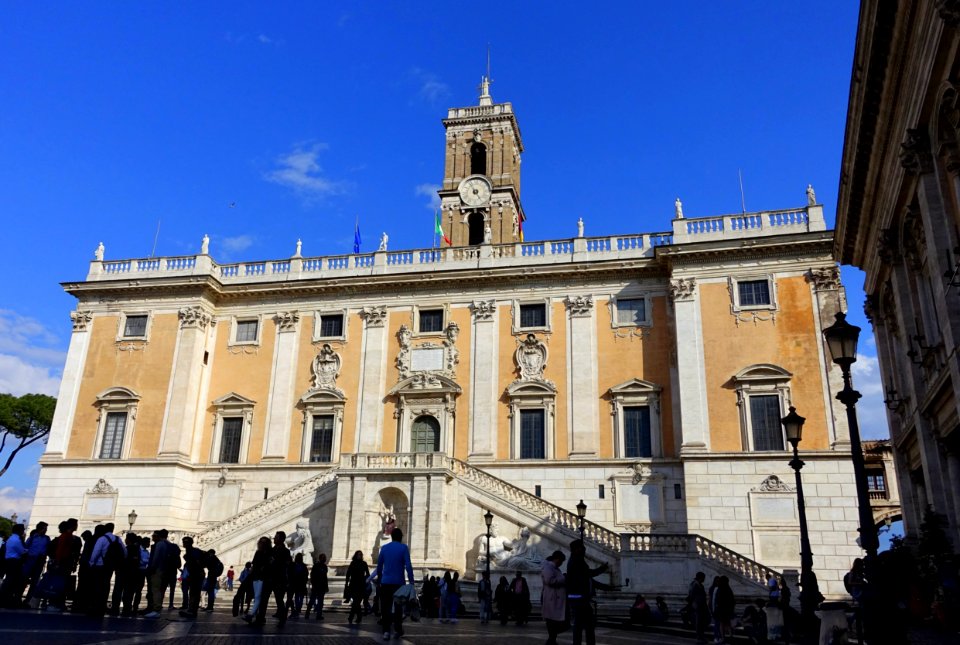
[{"x": 24, "y": 442}]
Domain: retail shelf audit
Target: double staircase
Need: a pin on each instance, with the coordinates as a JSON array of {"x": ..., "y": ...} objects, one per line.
[{"x": 628, "y": 550}]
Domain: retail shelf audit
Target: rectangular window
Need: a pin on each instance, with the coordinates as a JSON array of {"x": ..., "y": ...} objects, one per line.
[
  {"x": 754, "y": 293},
  {"x": 537, "y": 490},
  {"x": 601, "y": 492},
  {"x": 533, "y": 316},
  {"x": 230, "y": 437},
  {"x": 631, "y": 312},
  {"x": 636, "y": 432},
  {"x": 532, "y": 440},
  {"x": 431, "y": 320},
  {"x": 677, "y": 491},
  {"x": 112, "y": 444},
  {"x": 321, "y": 443},
  {"x": 135, "y": 327},
  {"x": 331, "y": 325},
  {"x": 247, "y": 331},
  {"x": 765, "y": 422},
  {"x": 876, "y": 481}
]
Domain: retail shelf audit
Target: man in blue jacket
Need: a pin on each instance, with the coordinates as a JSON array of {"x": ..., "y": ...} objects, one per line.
[{"x": 393, "y": 561}]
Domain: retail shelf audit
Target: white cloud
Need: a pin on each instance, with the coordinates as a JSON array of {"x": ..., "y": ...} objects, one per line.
[
  {"x": 237, "y": 243},
  {"x": 429, "y": 88},
  {"x": 29, "y": 358},
  {"x": 263, "y": 38},
  {"x": 871, "y": 410},
  {"x": 16, "y": 500},
  {"x": 299, "y": 170},
  {"x": 429, "y": 191}
]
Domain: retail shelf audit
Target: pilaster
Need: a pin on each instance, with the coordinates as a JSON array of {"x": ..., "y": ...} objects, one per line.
[
  {"x": 484, "y": 392},
  {"x": 369, "y": 429},
  {"x": 828, "y": 299},
  {"x": 584, "y": 439},
  {"x": 691, "y": 377},
  {"x": 183, "y": 401},
  {"x": 276, "y": 444},
  {"x": 59, "y": 436}
]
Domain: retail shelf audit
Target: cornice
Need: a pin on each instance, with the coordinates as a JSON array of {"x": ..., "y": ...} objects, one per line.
[
  {"x": 483, "y": 119},
  {"x": 775, "y": 247}
]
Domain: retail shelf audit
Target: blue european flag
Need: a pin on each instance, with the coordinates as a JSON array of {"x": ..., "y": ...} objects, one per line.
[{"x": 356, "y": 237}]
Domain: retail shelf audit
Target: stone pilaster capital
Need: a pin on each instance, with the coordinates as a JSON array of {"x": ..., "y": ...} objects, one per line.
[
  {"x": 374, "y": 316},
  {"x": 287, "y": 320},
  {"x": 915, "y": 155},
  {"x": 682, "y": 289},
  {"x": 483, "y": 310},
  {"x": 579, "y": 306},
  {"x": 194, "y": 317},
  {"x": 80, "y": 319}
]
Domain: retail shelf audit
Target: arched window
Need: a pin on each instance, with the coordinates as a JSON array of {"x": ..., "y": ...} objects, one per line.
[
  {"x": 478, "y": 159},
  {"x": 476, "y": 229},
  {"x": 425, "y": 435}
]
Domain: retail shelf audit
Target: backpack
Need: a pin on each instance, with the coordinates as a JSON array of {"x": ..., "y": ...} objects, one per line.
[
  {"x": 113, "y": 558},
  {"x": 171, "y": 558},
  {"x": 214, "y": 567}
]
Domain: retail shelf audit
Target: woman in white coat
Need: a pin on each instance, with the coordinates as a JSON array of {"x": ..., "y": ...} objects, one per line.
[{"x": 554, "y": 602}]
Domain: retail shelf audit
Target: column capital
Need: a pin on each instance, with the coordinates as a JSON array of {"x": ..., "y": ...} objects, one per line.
[
  {"x": 81, "y": 319},
  {"x": 683, "y": 289}
]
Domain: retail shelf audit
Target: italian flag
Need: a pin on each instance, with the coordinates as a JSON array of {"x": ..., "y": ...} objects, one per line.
[{"x": 439, "y": 229}]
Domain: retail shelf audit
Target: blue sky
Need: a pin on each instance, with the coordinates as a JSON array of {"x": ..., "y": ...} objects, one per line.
[{"x": 117, "y": 116}]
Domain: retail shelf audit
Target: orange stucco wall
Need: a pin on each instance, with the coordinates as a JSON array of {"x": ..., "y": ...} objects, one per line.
[
  {"x": 623, "y": 356},
  {"x": 790, "y": 343},
  {"x": 146, "y": 371},
  {"x": 246, "y": 371}
]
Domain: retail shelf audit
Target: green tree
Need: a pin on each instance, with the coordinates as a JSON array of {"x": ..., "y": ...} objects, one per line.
[{"x": 24, "y": 420}]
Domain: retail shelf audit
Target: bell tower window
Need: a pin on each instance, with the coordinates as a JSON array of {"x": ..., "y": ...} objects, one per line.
[
  {"x": 478, "y": 159},
  {"x": 476, "y": 229}
]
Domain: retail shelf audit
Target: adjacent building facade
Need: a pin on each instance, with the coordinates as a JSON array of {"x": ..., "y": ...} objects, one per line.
[
  {"x": 335, "y": 397},
  {"x": 898, "y": 218}
]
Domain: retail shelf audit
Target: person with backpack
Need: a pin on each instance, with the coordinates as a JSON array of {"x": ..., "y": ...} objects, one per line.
[
  {"x": 193, "y": 560},
  {"x": 64, "y": 553},
  {"x": 105, "y": 560},
  {"x": 36, "y": 546},
  {"x": 214, "y": 571},
  {"x": 161, "y": 571},
  {"x": 133, "y": 577}
]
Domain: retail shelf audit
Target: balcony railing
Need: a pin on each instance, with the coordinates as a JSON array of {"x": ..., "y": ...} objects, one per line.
[{"x": 520, "y": 254}]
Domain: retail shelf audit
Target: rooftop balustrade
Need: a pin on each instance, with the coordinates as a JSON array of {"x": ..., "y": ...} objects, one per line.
[{"x": 519, "y": 254}]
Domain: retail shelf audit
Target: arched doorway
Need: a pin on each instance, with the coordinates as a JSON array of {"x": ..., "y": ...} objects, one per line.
[
  {"x": 425, "y": 435},
  {"x": 476, "y": 228}
]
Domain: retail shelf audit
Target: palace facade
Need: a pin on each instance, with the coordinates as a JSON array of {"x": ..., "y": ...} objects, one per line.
[
  {"x": 898, "y": 219},
  {"x": 644, "y": 374}
]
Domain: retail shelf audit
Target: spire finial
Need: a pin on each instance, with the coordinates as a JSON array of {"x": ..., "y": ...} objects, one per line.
[{"x": 485, "y": 98}]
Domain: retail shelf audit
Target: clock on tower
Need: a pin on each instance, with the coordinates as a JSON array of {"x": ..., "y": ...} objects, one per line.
[{"x": 481, "y": 181}]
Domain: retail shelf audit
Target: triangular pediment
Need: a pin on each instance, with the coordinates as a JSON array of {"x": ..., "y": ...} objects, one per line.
[
  {"x": 234, "y": 400},
  {"x": 635, "y": 386},
  {"x": 118, "y": 394},
  {"x": 762, "y": 372},
  {"x": 426, "y": 381}
]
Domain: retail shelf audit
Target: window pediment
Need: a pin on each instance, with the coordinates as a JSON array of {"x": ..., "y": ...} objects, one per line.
[
  {"x": 233, "y": 400},
  {"x": 420, "y": 381},
  {"x": 633, "y": 387},
  {"x": 762, "y": 373},
  {"x": 322, "y": 397},
  {"x": 117, "y": 395},
  {"x": 531, "y": 388}
]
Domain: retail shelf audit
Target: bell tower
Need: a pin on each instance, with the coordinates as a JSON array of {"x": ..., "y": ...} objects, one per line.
[{"x": 480, "y": 196}]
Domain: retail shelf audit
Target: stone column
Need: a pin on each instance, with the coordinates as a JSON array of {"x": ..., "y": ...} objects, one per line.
[
  {"x": 584, "y": 440},
  {"x": 183, "y": 400},
  {"x": 828, "y": 299},
  {"x": 691, "y": 379},
  {"x": 276, "y": 442},
  {"x": 348, "y": 522},
  {"x": 369, "y": 435},
  {"x": 59, "y": 436},
  {"x": 484, "y": 392}
]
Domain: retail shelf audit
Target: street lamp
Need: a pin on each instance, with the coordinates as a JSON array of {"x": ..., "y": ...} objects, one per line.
[
  {"x": 131, "y": 519},
  {"x": 810, "y": 596},
  {"x": 488, "y": 520},
  {"x": 841, "y": 338},
  {"x": 581, "y": 513}
]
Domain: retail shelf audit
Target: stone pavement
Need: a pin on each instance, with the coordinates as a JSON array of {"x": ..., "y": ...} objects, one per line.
[{"x": 30, "y": 627}]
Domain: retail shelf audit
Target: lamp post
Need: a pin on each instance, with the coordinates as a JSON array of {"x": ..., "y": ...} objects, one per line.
[
  {"x": 488, "y": 520},
  {"x": 131, "y": 519},
  {"x": 841, "y": 339},
  {"x": 810, "y": 596},
  {"x": 581, "y": 513}
]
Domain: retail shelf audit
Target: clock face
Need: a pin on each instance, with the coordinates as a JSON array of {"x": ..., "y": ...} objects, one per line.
[{"x": 475, "y": 191}]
